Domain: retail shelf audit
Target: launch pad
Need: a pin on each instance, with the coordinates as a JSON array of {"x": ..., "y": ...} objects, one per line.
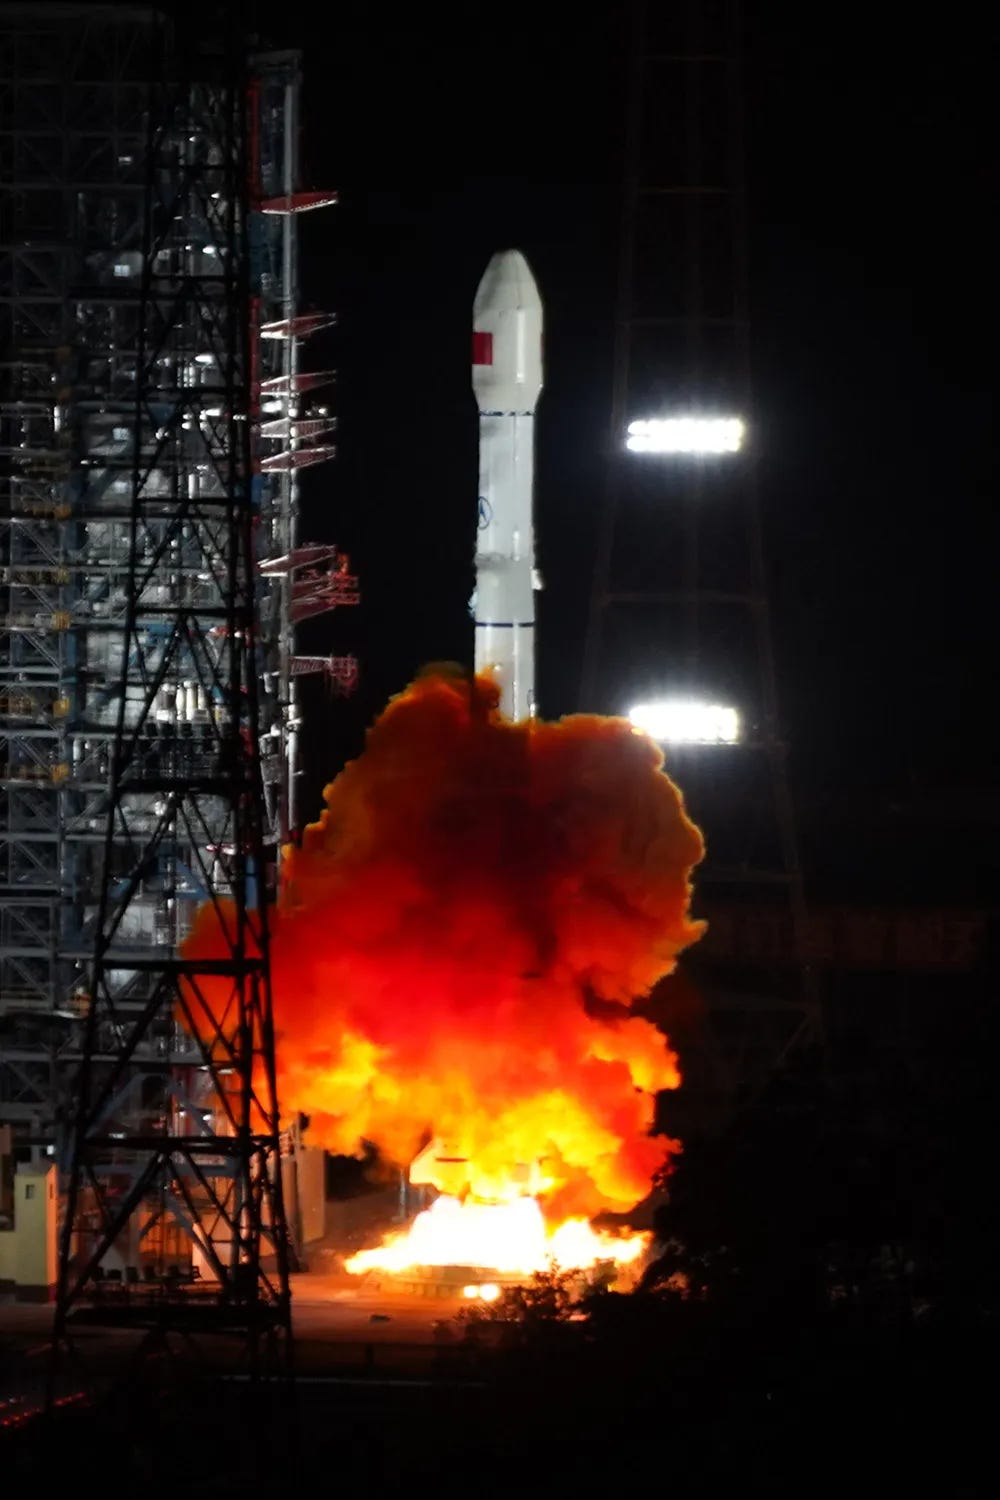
[{"x": 461, "y": 1283}]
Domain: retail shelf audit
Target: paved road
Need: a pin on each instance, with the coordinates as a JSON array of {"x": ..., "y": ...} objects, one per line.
[
  {"x": 341, "y": 1328},
  {"x": 327, "y": 1308}
]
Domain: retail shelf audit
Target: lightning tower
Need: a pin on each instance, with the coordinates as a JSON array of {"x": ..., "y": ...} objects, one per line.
[{"x": 679, "y": 624}]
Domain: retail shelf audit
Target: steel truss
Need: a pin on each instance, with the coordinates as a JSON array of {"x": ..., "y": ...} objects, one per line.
[
  {"x": 74, "y": 91},
  {"x": 679, "y": 605},
  {"x": 72, "y": 141},
  {"x": 176, "y": 1126}
]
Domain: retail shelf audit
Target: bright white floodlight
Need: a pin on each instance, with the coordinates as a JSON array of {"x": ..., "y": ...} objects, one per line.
[
  {"x": 686, "y": 435},
  {"x": 686, "y": 721}
]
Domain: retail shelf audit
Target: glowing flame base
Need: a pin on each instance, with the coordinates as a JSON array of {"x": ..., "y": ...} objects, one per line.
[{"x": 511, "y": 1239}]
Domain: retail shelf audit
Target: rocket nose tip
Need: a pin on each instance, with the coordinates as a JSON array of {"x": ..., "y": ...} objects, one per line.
[{"x": 508, "y": 281}]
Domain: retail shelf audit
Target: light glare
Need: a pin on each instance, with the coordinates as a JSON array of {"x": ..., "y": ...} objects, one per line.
[
  {"x": 486, "y": 1291},
  {"x": 686, "y": 435},
  {"x": 685, "y": 721}
]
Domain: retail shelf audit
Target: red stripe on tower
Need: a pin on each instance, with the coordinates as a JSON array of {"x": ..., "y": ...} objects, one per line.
[{"x": 482, "y": 348}]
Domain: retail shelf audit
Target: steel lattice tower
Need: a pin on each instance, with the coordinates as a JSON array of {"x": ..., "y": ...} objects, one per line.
[
  {"x": 74, "y": 181},
  {"x": 176, "y": 1119},
  {"x": 72, "y": 107},
  {"x": 679, "y": 605}
]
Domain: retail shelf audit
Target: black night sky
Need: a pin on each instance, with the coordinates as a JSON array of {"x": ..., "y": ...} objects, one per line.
[
  {"x": 868, "y": 158},
  {"x": 820, "y": 1299}
]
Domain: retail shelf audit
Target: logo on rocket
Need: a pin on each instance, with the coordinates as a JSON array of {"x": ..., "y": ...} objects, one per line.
[{"x": 507, "y": 380}]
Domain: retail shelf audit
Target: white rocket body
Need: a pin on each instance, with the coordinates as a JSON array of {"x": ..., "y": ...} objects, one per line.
[{"x": 507, "y": 380}]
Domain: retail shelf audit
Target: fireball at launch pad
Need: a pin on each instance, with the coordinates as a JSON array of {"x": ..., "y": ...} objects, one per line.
[{"x": 459, "y": 943}]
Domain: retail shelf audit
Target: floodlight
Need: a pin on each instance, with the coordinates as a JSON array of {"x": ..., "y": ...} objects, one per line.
[
  {"x": 692, "y": 435},
  {"x": 686, "y": 721}
]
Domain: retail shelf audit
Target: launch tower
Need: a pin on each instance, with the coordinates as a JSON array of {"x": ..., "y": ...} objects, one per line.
[{"x": 76, "y": 190}]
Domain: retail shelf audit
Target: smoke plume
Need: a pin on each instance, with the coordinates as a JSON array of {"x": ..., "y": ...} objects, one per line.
[{"x": 461, "y": 936}]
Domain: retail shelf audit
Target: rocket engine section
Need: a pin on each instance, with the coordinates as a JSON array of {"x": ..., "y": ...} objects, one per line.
[
  {"x": 507, "y": 380},
  {"x": 441, "y": 1165}
]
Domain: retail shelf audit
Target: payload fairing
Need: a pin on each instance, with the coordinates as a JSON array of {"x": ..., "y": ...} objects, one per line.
[{"x": 507, "y": 380}]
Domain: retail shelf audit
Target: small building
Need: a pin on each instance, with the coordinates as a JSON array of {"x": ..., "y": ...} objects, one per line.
[{"x": 29, "y": 1241}]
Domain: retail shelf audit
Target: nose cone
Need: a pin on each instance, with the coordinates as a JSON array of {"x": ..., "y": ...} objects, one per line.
[
  {"x": 507, "y": 285},
  {"x": 507, "y": 336}
]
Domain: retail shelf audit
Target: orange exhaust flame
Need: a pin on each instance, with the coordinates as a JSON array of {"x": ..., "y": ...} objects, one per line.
[
  {"x": 459, "y": 942},
  {"x": 508, "y": 1238}
]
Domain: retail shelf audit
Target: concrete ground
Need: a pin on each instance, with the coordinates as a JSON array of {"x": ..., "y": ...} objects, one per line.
[{"x": 342, "y": 1328}]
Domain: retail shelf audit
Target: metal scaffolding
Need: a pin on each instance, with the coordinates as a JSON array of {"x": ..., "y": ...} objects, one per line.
[
  {"x": 72, "y": 185},
  {"x": 292, "y": 433},
  {"x": 74, "y": 189},
  {"x": 175, "y": 1119},
  {"x": 679, "y": 605}
]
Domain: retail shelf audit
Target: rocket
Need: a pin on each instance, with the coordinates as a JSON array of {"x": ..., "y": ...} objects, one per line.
[{"x": 507, "y": 380}]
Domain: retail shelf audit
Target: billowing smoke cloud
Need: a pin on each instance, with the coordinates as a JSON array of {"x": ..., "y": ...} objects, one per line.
[{"x": 462, "y": 934}]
